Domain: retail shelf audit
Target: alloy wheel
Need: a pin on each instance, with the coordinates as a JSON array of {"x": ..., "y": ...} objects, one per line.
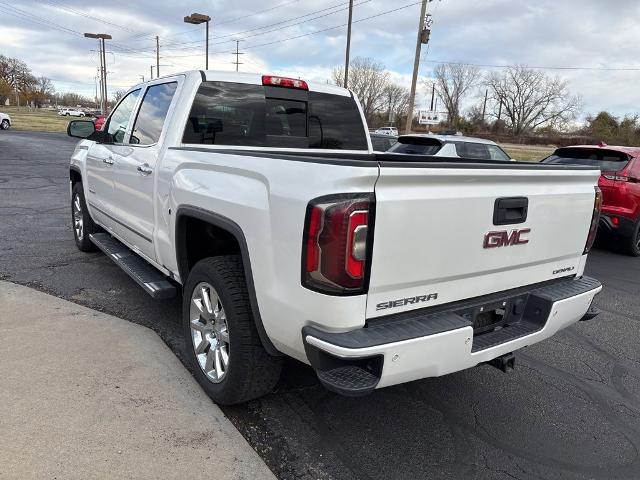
[
  {"x": 78, "y": 222},
  {"x": 209, "y": 332}
]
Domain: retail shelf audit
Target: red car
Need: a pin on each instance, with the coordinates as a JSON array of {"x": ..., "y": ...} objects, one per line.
[
  {"x": 99, "y": 122},
  {"x": 620, "y": 185}
]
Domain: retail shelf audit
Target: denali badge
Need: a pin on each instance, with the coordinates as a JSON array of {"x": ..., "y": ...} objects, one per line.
[
  {"x": 506, "y": 239},
  {"x": 406, "y": 301},
  {"x": 564, "y": 270}
]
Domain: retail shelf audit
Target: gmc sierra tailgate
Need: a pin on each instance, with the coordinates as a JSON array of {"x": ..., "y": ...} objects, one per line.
[{"x": 447, "y": 232}]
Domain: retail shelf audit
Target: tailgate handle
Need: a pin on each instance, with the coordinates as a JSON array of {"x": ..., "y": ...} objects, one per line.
[{"x": 510, "y": 211}]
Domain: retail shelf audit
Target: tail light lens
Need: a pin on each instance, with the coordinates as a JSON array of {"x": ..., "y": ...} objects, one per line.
[
  {"x": 595, "y": 220},
  {"x": 617, "y": 178},
  {"x": 338, "y": 238}
]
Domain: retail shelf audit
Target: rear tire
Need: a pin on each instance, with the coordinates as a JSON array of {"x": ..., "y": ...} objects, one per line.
[
  {"x": 5, "y": 125},
  {"x": 81, "y": 222},
  {"x": 221, "y": 339},
  {"x": 632, "y": 244}
]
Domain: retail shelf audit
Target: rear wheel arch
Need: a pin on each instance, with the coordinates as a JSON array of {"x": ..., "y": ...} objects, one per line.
[
  {"x": 225, "y": 237},
  {"x": 75, "y": 175}
]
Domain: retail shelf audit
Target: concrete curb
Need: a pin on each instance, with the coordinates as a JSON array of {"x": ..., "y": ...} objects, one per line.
[{"x": 87, "y": 395}]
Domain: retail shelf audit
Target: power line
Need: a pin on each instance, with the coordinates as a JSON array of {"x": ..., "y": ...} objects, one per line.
[
  {"x": 534, "y": 67},
  {"x": 225, "y": 22},
  {"x": 192, "y": 44},
  {"x": 86, "y": 15},
  {"x": 334, "y": 27}
]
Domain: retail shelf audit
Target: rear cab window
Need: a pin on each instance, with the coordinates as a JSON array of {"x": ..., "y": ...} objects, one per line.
[
  {"x": 236, "y": 114},
  {"x": 605, "y": 160}
]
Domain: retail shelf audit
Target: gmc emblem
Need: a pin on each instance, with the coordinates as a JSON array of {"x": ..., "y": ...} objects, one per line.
[{"x": 506, "y": 239}]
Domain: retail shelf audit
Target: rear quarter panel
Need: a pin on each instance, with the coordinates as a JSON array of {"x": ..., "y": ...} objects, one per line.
[{"x": 267, "y": 198}]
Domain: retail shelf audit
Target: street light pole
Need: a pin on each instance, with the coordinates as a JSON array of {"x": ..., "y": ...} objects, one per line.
[
  {"x": 101, "y": 37},
  {"x": 104, "y": 73},
  {"x": 346, "y": 63},
  {"x": 416, "y": 66},
  {"x": 197, "y": 19}
]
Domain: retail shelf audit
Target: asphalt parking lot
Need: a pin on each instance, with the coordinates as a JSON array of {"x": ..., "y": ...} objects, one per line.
[{"x": 570, "y": 410}]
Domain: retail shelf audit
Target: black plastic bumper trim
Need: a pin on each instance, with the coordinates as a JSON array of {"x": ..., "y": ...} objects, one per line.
[{"x": 422, "y": 323}]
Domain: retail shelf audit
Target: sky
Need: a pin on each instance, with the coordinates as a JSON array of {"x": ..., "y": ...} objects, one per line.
[{"x": 592, "y": 44}]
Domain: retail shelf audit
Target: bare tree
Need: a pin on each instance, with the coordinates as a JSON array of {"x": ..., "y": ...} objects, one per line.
[
  {"x": 41, "y": 89},
  {"x": 397, "y": 98},
  {"x": 453, "y": 84},
  {"x": 118, "y": 94},
  {"x": 368, "y": 80},
  {"x": 531, "y": 99}
]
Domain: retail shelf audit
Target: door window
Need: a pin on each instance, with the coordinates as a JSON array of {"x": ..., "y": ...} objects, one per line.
[
  {"x": 119, "y": 119},
  {"x": 152, "y": 114}
]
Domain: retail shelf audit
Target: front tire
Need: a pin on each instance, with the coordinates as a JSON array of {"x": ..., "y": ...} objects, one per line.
[
  {"x": 632, "y": 244},
  {"x": 82, "y": 223},
  {"x": 221, "y": 339},
  {"x": 5, "y": 125}
]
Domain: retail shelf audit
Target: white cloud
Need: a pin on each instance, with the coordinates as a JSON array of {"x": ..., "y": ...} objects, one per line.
[{"x": 542, "y": 33}]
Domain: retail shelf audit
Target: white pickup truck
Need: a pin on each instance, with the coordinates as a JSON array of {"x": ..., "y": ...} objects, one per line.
[{"x": 260, "y": 200}]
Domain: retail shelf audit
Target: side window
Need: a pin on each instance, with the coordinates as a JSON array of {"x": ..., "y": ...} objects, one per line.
[
  {"x": 152, "y": 114},
  {"x": 119, "y": 118},
  {"x": 635, "y": 169},
  {"x": 472, "y": 150},
  {"x": 498, "y": 154}
]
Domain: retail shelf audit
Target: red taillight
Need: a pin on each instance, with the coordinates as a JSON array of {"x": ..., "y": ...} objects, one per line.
[
  {"x": 615, "y": 221},
  {"x": 271, "y": 81},
  {"x": 337, "y": 244},
  {"x": 313, "y": 251},
  {"x": 595, "y": 220},
  {"x": 617, "y": 178}
]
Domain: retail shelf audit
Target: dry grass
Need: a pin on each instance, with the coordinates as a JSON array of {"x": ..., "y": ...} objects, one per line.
[
  {"x": 37, "y": 120},
  {"x": 528, "y": 153}
]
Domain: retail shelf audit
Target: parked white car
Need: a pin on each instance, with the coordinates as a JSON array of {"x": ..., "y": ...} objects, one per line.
[
  {"x": 71, "y": 112},
  {"x": 387, "y": 131},
  {"x": 451, "y": 146},
  {"x": 5, "y": 121},
  {"x": 259, "y": 199}
]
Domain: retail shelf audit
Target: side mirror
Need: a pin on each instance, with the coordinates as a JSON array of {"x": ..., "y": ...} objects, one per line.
[{"x": 81, "y": 128}]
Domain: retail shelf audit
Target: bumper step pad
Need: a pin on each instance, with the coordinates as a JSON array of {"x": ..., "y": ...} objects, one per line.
[
  {"x": 151, "y": 280},
  {"x": 350, "y": 380}
]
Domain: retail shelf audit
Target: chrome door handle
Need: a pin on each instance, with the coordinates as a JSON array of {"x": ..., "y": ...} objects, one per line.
[
  {"x": 109, "y": 160},
  {"x": 145, "y": 169}
]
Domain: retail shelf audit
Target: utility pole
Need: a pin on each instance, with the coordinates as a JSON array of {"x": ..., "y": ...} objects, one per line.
[
  {"x": 433, "y": 94},
  {"x": 346, "y": 62},
  {"x": 484, "y": 107},
  {"x": 157, "y": 57},
  {"x": 237, "y": 53},
  {"x": 416, "y": 64},
  {"x": 141, "y": 78},
  {"x": 152, "y": 72}
]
